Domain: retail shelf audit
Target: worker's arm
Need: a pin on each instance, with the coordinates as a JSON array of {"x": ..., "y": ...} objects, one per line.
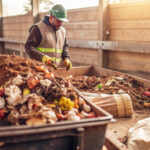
[
  {"x": 66, "y": 57},
  {"x": 32, "y": 42},
  {"x": 65, "y": 52}
]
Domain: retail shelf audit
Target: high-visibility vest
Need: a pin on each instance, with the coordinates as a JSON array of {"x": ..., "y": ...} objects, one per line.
[{"x": 52, "y": 42}]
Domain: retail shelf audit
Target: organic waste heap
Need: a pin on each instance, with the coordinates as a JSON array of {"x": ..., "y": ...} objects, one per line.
[
  {"x": 110, "y": 85},
  {"x": 31, "y": 94}
]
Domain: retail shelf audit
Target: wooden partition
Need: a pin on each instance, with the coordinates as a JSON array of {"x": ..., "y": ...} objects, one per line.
[
  {"x": 130, "y": 22},
  {"x": 16, "y": 28},
  {"x": 83, "y": 25}
]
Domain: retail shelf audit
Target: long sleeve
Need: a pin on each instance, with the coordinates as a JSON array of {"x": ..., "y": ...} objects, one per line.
[
  {"x": 32, "y": 42},
  {"x": 65, "y": 52}
]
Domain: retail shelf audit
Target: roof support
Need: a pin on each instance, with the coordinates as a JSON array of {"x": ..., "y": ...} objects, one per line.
[
  {"x": 1, "y": 27},
  {"x": 103, "y": 21},
  {"x": 35, "y": 10}
]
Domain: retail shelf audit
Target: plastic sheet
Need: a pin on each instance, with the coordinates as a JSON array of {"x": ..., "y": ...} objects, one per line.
[{"x": 139, "y": 135}]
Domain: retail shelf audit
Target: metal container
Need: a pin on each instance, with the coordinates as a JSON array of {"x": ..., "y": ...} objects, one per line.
[{"x": 86, "y": 134}]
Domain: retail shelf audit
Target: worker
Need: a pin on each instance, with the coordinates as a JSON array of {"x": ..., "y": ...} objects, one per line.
[{"x": 47, "y": 39}]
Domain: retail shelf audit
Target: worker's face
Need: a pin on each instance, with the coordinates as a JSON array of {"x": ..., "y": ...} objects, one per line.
[{"x": 55, "y": 22}]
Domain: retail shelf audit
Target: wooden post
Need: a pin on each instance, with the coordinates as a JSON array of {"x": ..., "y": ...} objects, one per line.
[
  {"x": 1, "y": 28},
  {"x": 103, "y": 31},
  {"x": 35, "y": 10}
]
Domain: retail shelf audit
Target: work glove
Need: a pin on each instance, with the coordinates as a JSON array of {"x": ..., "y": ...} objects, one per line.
[
  {"x": 68, "y": 64},
  {"x": 48, "y": 61}
]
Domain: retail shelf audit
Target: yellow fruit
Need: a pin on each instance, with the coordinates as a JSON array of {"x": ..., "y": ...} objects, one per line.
[
  {"x": 66, "y": 103},
  {"x": 26, "y": 91},
  {"x": 56, "y": 101}
]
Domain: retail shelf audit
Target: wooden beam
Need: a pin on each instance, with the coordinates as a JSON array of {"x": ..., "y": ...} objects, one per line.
[
  {"x": 1, "y": 17},
  {"x": 111, "y": 45},
  {"x": 1, "y": 10},
  {"x": 8, "y": 40},
  {"x": 84, "y": 44},
  {"x": 126, "y": 46},
  {"x": 35, "y": 10},
  {"x": 1, "y": 27},
  {"x": 103, "y": 19},
  {"x": 105, "y": 45},
  {"x": 103, "y": 30}
]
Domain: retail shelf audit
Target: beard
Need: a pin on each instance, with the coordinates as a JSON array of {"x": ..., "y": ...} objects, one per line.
[{"x": 56, "y": 27}]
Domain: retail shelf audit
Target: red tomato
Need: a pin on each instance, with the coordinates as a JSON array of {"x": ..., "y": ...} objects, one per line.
[
  {"x": 1, "y": 91},
  {"x": 2, "y": 114},
  {"x": 141, "y": 89},
  {"x": 147, "y": 93},
  {"x": 92, "y": 115},
  {"x": 34, "y": 106},
  {"x": 60, "y": 116}
]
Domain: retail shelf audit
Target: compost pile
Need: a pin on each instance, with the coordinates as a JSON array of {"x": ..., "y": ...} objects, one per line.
[
  {"x": 31, "y": 94},
  {"x": 115, "y": 85}
]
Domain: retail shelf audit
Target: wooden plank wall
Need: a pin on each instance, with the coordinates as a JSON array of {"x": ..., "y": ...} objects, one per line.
[
  {"x": 130, "y": 22},
  {"x": 16, "y": 27},
  {"x": 83, "y": 25}
]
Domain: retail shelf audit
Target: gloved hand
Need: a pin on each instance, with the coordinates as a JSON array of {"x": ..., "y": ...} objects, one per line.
[
  {"x": 68, "y": 64},
  {"x": 48, "y": 61}
]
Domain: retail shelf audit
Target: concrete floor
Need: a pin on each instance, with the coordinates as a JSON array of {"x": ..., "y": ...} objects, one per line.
[{"x": 119, "y": 129}]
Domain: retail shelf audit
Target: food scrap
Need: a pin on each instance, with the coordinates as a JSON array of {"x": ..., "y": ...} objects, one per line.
[{"x": 40, "y": 99}]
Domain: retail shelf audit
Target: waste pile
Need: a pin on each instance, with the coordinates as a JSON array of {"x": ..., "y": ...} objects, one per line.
[
  {"x": 33, "y": 95},
  {"x": 30, "y": 93},
  {"x": 115, "y": 85}
]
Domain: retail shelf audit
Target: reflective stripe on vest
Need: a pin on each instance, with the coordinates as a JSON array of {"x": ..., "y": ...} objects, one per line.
[{"x": 50, "y": 50}]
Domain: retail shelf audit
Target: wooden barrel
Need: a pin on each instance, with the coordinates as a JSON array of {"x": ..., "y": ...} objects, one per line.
[{"x": 119, "y": 105}]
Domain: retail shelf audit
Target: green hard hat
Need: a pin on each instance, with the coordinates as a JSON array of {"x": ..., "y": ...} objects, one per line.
[{"x": 59, "y": 12}]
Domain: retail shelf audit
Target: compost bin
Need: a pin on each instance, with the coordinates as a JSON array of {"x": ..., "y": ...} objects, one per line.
[
  {"x": 86, "y": 134},
  {"x": 22, "y": 82}
]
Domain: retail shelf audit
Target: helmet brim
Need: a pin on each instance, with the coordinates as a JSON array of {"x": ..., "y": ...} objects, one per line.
[
  {"x": 63, "y": 19},
  {"x": 60, "y": 19}
]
